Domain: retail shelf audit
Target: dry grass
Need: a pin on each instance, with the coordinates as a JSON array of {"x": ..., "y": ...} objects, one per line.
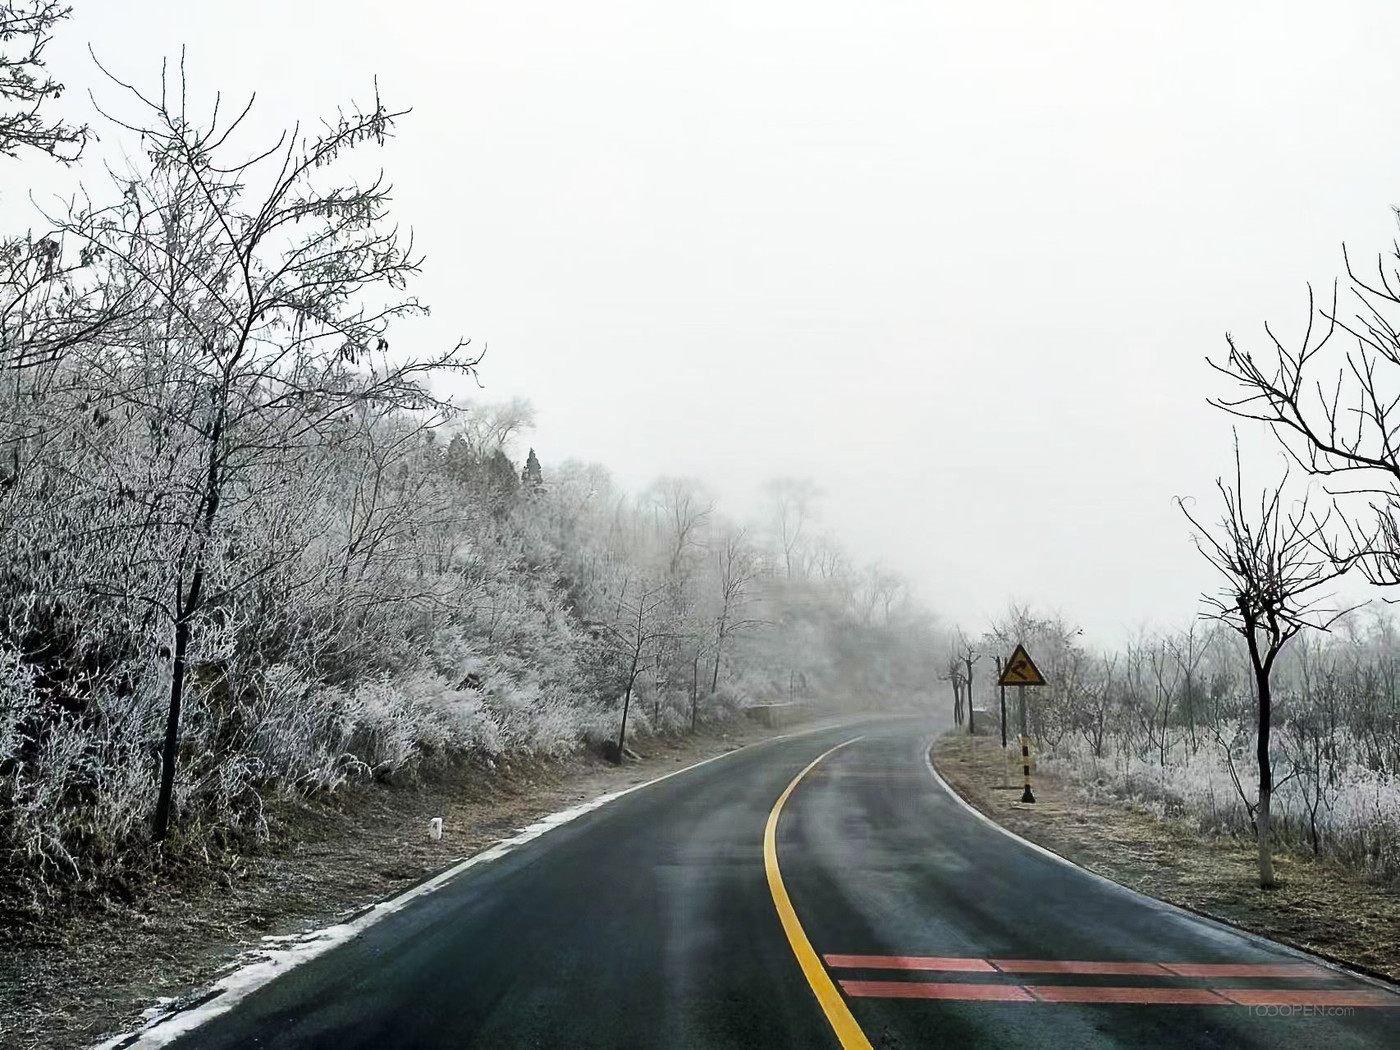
[{"x": 1317, "y": 906}]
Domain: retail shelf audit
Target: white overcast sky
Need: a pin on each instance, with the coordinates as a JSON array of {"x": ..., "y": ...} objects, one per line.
[{"x": 960, "y": 263}]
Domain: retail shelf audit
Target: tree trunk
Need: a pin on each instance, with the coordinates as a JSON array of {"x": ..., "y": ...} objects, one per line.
[
  {"x": 1266, "y": 857},
  {"x": 1266, "y": 782},
  {"x": 627, "y": 703},
  {"x": 1191, "y": 712},
  {"x": 694, "y": 690},
  {"x": 971, "y": 728},
  {"x": 1262, "y": 666},
  {"x": 172, "y": 730},
  {"x": 186, "y": 605}
]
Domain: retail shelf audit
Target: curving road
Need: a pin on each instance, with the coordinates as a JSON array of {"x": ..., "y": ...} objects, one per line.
[{"x": 886, "y": 915}]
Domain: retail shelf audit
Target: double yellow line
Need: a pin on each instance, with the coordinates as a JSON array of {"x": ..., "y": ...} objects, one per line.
[{"x": 835, "y": 1008}]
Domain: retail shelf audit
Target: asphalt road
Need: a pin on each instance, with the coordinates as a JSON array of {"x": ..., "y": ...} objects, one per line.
[{"x": 654, "y": 922}]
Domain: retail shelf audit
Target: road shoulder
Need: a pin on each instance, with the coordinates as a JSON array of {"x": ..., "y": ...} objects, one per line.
[{"x": 1318, "y": 906}]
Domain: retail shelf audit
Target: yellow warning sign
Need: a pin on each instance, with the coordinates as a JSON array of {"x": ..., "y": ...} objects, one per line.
[{"x": 1021, "y": 670}]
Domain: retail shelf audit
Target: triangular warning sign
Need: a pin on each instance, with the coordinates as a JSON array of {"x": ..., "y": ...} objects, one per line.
[{"x": 1020, "y": 670}]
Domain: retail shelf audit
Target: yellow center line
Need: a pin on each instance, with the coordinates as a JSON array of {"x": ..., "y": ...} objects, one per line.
[{"x": 835, "y": 1008}]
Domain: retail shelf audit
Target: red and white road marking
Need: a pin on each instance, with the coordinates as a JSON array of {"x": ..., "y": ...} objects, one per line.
[
  {"x": 979, "y": 991},
  {"x": 909, "y": 962}
]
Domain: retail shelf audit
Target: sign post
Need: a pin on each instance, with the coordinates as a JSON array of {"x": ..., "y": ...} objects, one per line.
[
  {"x": 1001, "y": 686},
  {"x": 1021, "y": 671}
]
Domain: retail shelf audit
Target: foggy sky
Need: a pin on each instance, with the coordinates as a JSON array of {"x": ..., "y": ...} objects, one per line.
[{"x": 958, "y": 263}]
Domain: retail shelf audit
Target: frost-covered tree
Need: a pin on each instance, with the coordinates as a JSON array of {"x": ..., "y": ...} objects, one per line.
[
  {"x": 268, "y": 288},
  {"x": 532, "y": 477}
]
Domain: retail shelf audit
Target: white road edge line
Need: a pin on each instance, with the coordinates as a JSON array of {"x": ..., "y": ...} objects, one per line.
[
  {"x": 273, "y": 962},
  {"x": 1216, "y": 924}
]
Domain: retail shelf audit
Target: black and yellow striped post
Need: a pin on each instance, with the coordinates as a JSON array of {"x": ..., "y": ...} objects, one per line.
[
  {"x": 1021, "y": 671},
  {"x": 1026, "y": 795}
]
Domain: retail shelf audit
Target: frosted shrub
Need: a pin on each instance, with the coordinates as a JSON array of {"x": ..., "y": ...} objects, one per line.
[
  {"x": 17, "y": 701},
  {"x": 558, "y": 725},
  {"x": 1364, "y": 822},
  {"x": 384, "y": 733},
  {"x": 598, "y": 725},
  {"x": 287, "y": 723},
  {"x": 450, "y": 719},
  {"x": 122, "y": 788},
  {"x": 723, "y": 705},
  {"x": 62, "y": 764},
  {"x": 675, "y": 714},
  {"x": 1358, "y": 821}
]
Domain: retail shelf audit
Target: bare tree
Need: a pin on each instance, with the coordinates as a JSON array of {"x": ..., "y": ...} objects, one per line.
[
  {"x": 876, "y": 591},
  {"x": 794, "y": 507},
  {"x": 954, "y": 675},
  {"x": 828, "y": 559},
  {"x": 737, "y": 570},
  {"x": 682, "y": 510},
  {"x": 1165, "y": 681},
  {"x": 1091, "y": 718},
  {"x": 487, "y": 429},
  {"x": 638, "y": 628},
  {"x": 967, "y": 656},
  {"x": 1273, "y": 561},
  {"x": 1188, "y": 651},
  {"x": 52, "y": 300},
  {"x": 46, "y": 305}
]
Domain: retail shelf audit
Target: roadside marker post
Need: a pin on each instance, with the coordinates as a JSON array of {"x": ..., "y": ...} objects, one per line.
[{"x": 1021, "y": 671}]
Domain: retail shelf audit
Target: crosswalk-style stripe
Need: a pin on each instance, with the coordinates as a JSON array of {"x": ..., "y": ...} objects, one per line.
[
  {"x": 957, "y": 964},
  {"x": 1079, "y": 993},
  {"x": 1145, "y": 969},
  {"x": 1165, "y": 993},
  {"x": 1245, "y": 970},
  {"x": 1070, "y": 993},
  {"x": 909, "y": 962},
  {"x": 1004, "y": 993}
]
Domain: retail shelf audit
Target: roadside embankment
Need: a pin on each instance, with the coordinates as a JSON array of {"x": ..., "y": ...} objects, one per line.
[{"x": 1317, "y": 905}]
